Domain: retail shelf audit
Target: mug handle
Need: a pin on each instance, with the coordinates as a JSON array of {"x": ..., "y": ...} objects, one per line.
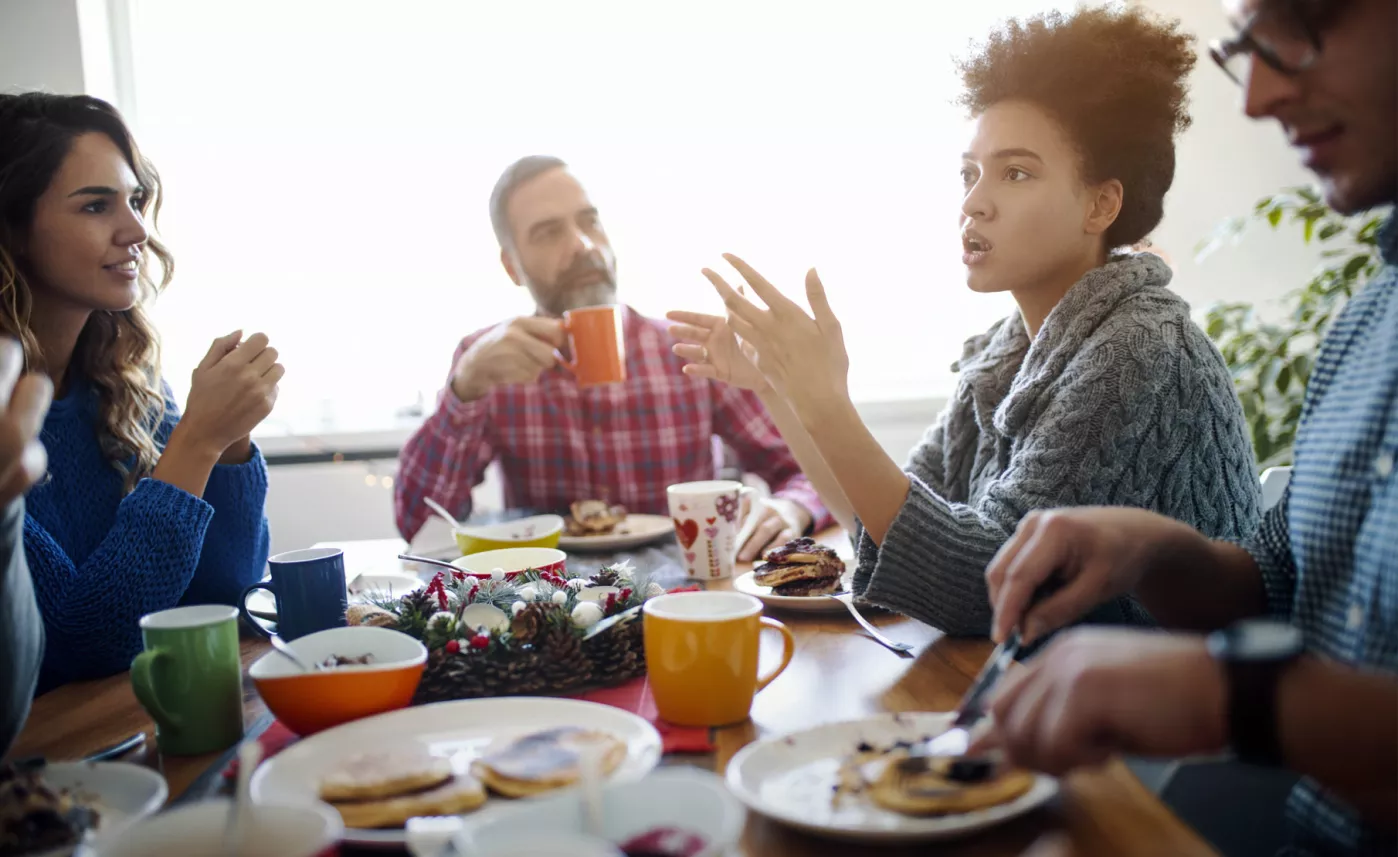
[
  {"x": 143, "y": 683},
  {"x": 788, "y": 649},
  {"x": 570, "y": 365},
  {"x": 252, "y": 621}
]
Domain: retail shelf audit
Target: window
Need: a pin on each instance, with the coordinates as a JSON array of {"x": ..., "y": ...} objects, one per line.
[{"x": 327, "y": 166}]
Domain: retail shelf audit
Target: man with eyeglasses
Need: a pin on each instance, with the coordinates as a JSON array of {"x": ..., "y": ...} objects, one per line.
[{"x": 1300, "y": 665}]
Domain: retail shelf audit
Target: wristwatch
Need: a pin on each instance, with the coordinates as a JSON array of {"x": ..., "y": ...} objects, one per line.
[{"x": 1254, "y": 652}]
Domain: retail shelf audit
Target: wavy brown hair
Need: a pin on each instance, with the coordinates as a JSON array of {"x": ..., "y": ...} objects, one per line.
[{"x": 117, "y": 352}]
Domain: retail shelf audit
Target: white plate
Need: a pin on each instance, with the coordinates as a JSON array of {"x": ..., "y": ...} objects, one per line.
[
  {"x": 802, "y": 604},
  {"x": 791, "y": 779},
  {"x": 263, "y": 605},
  {"x": 121, "y": 793},
  {"x": 684, "y": 798},
  {"x": 635, "y": 531},
  {"x": 460, "y": 730}
]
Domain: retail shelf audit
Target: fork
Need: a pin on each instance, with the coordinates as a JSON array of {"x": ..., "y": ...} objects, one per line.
[{"x": 847, "y": 599}]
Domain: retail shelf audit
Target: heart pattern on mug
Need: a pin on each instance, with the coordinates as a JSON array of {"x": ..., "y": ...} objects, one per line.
[
  {"x": 689, "y": 558},
  {"x": 711, "y": 532},
  {"x": 688, "y": 531},
  {"x": 711, "y": 522}
]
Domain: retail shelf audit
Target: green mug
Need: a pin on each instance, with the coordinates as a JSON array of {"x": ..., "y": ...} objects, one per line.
[{"x": 190, "y": 678}]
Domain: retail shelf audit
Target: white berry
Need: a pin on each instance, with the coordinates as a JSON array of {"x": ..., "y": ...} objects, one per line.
[
  {"x": 516, "y": 607},
  {"x": 560, "y": 597},
  {"x": 587, "y": 614},
  {"x": 528, "y": 592},
  {"x": 497, "y": 574}
]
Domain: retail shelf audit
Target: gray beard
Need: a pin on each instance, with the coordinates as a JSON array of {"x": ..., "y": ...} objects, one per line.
[{"x": 597, "y": 294}]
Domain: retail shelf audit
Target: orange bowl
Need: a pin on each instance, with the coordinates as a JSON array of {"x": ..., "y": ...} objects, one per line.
[{"x": 310, "y": 702}]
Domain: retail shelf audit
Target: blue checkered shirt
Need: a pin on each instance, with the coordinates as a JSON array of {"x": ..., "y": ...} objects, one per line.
[{"x": 1329, "y": 550}]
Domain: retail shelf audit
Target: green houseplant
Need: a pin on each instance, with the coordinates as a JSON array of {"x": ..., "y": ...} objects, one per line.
[{"x": 1271, "y": 360}]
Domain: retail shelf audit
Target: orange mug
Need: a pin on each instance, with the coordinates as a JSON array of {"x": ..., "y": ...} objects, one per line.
[
  {"x": 701, "y": 654},
  {"x": 598, "y": 342}
]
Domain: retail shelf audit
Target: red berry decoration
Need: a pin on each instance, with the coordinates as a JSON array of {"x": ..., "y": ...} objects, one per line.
[
  {"x": 480, "y": 641},
  {"x": 453, "y": 647},
  {"x": 625, "y": 594}
]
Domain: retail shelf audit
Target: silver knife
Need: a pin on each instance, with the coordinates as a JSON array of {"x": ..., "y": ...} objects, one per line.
[{"x": 971, "y": 709}]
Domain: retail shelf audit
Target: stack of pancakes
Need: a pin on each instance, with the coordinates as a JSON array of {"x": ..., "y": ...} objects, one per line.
[
  {"x": 386, "y": 788},
  {"x": 801, "y": 568},
  {"x": 593, "y": 518}
]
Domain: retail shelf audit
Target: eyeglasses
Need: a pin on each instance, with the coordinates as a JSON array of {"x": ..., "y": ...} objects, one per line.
[{"x": 1285, "y": 35}]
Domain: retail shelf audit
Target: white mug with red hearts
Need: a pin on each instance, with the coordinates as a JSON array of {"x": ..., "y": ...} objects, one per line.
[{"x": 707, "y": 518}]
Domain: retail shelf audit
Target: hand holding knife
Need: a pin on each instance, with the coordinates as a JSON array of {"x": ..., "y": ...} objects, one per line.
[{"x": 971, "y": 709}]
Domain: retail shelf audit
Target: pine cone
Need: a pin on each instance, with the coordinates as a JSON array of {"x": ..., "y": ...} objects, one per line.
[
  {"x": 529, "y": 622},
  {"x": 421, "y": 601},
  {"x": 605, "y": 577},
  {"x": 561, "y": 659}
]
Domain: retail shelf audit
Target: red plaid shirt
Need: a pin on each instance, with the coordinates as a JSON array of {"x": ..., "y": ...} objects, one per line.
[{"x": 625, "y": 443}]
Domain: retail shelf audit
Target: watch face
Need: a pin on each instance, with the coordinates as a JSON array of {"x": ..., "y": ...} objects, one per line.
[{"x": 1263, "y": 640}]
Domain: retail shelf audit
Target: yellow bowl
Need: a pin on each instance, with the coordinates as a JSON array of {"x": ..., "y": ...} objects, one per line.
[{"x": 540, "y": 531}]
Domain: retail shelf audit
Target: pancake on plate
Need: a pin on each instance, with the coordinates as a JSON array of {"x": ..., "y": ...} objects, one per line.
[
  {"x": 461, "y": 793},
  {"x": 593, "y": 518},
  {"x": 801, "y": 568},
  {"x": 548, "y": 760},
  {"x": 384, "y": 774},
  {"x": 945, "y": 786}
]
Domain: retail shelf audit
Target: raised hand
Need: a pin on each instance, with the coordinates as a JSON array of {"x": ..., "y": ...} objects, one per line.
[
  {"x": 714, "y": 351},
  {"x": 233, "y": 389},
  {"x": 801, "y": 356},
  {"x": 515, "y": 352},
  {"x": 23, "y": 460}
]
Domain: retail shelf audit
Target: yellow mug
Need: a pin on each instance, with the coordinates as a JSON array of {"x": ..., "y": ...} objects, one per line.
[{"x": 701, "y": 654}]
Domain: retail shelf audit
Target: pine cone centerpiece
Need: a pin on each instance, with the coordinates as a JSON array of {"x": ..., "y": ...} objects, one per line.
[{"x": 605, "y": 577}]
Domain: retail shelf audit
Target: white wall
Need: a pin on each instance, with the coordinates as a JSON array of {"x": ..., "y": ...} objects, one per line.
[{"x": 39, "y": 46}]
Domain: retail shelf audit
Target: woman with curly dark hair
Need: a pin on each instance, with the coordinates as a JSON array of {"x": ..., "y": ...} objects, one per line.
[
  {"x": 1099, "y": 390},
  {"x": 142, "y": 509}
]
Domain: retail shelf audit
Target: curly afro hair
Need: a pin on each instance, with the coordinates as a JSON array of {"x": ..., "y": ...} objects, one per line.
[{"x": 1114, "y": 79}]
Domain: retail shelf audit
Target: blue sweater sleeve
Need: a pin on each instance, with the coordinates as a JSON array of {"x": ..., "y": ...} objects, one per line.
[
  {"x": 236, "y": 542},
  {"x": 145, "y": 563}
]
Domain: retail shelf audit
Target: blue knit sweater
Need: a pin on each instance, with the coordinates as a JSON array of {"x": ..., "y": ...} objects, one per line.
[{"x": 101, "y": 560}]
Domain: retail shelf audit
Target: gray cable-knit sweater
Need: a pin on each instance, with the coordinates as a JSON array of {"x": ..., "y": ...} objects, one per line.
[{"x": 1120, "y": 400}]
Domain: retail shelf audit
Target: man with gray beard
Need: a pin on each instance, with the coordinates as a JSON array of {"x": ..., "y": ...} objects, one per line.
[{"x": 510, "y": 398}]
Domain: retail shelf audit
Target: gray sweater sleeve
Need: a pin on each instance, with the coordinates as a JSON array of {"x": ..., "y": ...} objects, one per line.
[
  {"x": 1106, "y": 433},
  {"x": 21, "y": 628}
]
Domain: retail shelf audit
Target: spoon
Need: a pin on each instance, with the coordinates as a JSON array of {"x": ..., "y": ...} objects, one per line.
[
  {"x": 248, "y": 756},
  {"x": 428, "y": 561},
  {"x": 287, "y": 652},
  {"x": 442, "y": 512}
]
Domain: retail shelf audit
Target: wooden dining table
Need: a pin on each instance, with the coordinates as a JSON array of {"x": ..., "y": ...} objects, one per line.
[{"x": 837, "y": 673}]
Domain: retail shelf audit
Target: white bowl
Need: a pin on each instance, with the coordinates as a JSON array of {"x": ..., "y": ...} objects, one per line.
[
  {"x": 687, "y": 799},
  {"x": 512, "y": 561},
  {"x": 197, "y": 830}
]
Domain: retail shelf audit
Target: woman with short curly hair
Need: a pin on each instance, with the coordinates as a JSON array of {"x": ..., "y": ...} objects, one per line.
[
  {"x": 142, "y": 509},
  {"x": 1099, "y": 390}
]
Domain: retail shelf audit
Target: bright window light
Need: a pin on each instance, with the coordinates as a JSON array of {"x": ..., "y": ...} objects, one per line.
[{"x": 328, "y": 164}]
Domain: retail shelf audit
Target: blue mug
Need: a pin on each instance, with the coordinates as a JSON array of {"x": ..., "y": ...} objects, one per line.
[{"x": 309, "y": 588}]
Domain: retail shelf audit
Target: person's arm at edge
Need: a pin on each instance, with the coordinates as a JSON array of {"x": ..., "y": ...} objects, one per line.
[{"x": 22, "y": 631}]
